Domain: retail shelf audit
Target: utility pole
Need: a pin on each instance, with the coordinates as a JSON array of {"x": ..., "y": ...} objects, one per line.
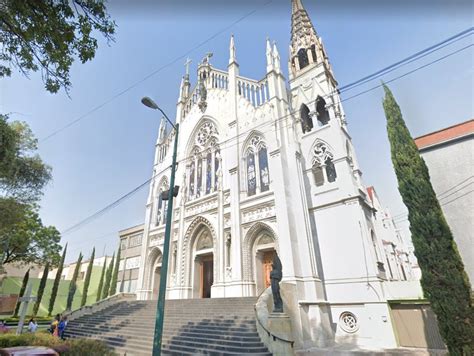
[{"x": 160, "y": 316}]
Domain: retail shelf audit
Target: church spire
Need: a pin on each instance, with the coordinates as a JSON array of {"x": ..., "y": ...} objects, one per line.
[{"x": 306, "y": 48}]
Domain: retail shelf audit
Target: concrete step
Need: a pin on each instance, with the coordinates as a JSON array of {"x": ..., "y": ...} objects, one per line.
[{"x": 191, "y": 327}]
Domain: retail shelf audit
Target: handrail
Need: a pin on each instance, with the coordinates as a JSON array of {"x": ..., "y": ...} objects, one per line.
[{"x": 275, "y": 337}]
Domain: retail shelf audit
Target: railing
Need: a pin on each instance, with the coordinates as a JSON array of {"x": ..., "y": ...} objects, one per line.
[
  {"x": 270, "y": 334},
  {"x": 218, "y": 79},
  {"x": 254, "y": 91}
]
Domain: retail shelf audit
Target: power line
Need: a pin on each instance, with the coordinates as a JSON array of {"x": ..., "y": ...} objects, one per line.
[
  {"x": 350, "y": 86},
  {"x": 142, "y": 185},
  {"x": 148, "y": 76},
  {"x": 409, "y": 59},
  {"x": 408, "y": 73}
]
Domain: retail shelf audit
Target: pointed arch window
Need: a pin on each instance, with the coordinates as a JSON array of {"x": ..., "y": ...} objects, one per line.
[
  {"x": 313, "y": 53},
  {"x": 161, "y": 205},
  {"x": 202, "y": 170},
  {"x": 257, "y": 171},
  {"x": 305, "y": 117},
  {"x": 322, "y": 113},
  {"x": 323, "y": 167},
  {"x": 303, "y": 58}
]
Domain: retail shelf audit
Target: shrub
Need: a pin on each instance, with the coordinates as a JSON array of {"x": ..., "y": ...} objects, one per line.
[{"x": 70, "y": 347}]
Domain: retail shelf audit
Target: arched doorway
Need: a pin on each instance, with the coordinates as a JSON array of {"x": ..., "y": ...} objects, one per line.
[
  {"x": 263, "y": 251},
  {"x": 154, "y": 259},
  {"x": 203, "y": 257}
]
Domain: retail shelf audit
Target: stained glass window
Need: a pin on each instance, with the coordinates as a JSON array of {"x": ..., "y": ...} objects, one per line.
[
  {"x": 216, "y": 168},
  {"x": 191, "y": 179},
  {"x": 208, "y": 172},
  {"x": 199, "y": 178},
  {"x": 263, "y": 164},
  {"x": 251, "y": 178}
]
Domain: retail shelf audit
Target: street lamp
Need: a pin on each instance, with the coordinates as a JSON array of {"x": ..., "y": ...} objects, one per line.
[{"x": 160, "y": 316}]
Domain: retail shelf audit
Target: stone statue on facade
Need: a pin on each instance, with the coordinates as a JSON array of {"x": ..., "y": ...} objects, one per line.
[{"x": 275, "y": 276}]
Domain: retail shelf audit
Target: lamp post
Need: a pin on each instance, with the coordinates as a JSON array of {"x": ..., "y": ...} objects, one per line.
[{"x": 166, "y": 245}]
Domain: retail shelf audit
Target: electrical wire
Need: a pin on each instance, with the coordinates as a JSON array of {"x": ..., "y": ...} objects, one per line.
[{"x": 142, "y": 185}]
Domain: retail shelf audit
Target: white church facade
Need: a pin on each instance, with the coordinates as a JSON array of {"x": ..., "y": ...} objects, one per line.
[{"x": 267, "y": 166}]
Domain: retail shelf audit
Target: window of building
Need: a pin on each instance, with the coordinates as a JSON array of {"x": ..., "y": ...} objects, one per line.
[
  {"x": 322, "y": 113},
  {"x": 313, "y": 53},
  {"x": 305, "y": 117},
  {"x": 257, "y": 171},
  {"x": 303, "y": 58},
  {"x": 135, "y": 240},
  {"x": 161, "y": 205},
  {"x": 204, "y": 164},
  {"x": 123, "y": 244},
  {"x": 323, "y": 167}
]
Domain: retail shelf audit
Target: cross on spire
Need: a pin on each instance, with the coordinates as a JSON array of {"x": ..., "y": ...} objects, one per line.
[{"x": 186, "y": 64}]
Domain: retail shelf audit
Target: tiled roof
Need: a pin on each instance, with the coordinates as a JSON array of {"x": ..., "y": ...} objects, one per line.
[{"x": 446, "y": 134}]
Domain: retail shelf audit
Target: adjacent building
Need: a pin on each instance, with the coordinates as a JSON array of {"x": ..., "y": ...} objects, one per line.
[{"x": 449, "y": 155}]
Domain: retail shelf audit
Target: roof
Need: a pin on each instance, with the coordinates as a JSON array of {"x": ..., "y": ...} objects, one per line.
[
  {"x": 445, "y": 135},
  {"x": 132, "y": 230}
]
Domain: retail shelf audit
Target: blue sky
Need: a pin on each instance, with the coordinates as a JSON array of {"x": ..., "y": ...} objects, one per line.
[{"x": 110, "y": 151}]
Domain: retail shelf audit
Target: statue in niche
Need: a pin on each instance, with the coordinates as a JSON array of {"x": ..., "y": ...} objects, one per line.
[{"x": 276, "y": 275}]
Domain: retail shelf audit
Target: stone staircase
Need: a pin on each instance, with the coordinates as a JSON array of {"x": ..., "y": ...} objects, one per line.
[{"x": 218, "y": 326}]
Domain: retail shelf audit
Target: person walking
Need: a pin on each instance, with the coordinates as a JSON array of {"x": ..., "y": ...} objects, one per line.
[
  {"x": 62, "y": 327},
  {"x": 32, "y": 325},
  {"x": 54, "y": 325}
]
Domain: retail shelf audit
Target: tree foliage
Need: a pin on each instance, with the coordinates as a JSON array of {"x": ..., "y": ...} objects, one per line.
[
  {"x": 23, "y": 174},
  {"x": 57, "y": 280},
  {"x": 108, "y": 278},
  {"x": 29, "y": 241},
  {"x": 48, "y": 35},
  {"x": 42, "y": 285},
  {"x": 101, "y": 281},
  {"x": 87, "y": 278},
  {"x": 73, "y": 284},
  {"x": 444, "y": 280},
  {"x": 26, "y": 277},
  {"x": 113, "y": 283}
]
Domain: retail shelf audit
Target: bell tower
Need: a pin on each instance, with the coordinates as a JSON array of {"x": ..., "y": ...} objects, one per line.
[{"x": 332, "y": 179}]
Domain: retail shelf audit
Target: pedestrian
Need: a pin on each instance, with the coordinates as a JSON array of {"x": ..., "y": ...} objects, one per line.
[
  {"x": 32, "y": 325},
  {"x": 62, "y": 327},
  {"x": 3, "y": 327},
  {"x": 54, "y": 325}
]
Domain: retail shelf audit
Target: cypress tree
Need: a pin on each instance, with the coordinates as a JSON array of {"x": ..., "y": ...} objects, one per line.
[
  {"x": 113, "y": 284},
  {"x": 101, "y": 281},
  {"x": 73, "y": 285},
  {"x": 108, "y": 278},
  {"x": 87, "y": 279},
  {"x": 22, "y": 292},
  {"x": 57, "y": 280},
  {"x": 444, "y": 280},
  {"x": 41, "y": 286}
]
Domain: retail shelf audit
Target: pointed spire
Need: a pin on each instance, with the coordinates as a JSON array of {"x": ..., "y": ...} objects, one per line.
[
  {"x": 276, "y": 58},
  {"x": 161, "y": 134},
  {"x": 269, "y": 56},
  {"x": 232, "y": 57},
  {"x": 302, "y": 30}
]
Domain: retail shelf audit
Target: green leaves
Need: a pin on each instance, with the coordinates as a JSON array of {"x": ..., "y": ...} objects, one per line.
[
  {"x": 48, "y": 35},
  {"x": 444, "y": 280}
]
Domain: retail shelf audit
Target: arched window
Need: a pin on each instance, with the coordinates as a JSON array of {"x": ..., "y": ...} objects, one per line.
[
  {"x": 306, "y": 120},
  {"x": 323, "y": 167},
  {"x": 257, "y": 171},
  {"x": 303, "y": 58},
  {"x": 161, "y": 205},
  {"x": 321, "y": 111},
  {"x": 313, "y": 53},
  {"x": 204, "y": 162}
]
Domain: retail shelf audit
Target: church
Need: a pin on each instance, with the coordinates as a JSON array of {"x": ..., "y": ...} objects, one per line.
[{"x": 267, "y": 166}]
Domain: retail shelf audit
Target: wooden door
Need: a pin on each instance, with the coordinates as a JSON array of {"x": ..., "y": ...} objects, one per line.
[
  {"x": 207, "y": 276},
  {"x": 267, "y": 267}
]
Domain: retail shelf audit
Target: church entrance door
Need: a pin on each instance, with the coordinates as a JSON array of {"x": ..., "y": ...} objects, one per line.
[
  {"x": 156, "y": 282},
  {"x": 207, "y": 275},
  {"x": 267, "y": 267}
]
